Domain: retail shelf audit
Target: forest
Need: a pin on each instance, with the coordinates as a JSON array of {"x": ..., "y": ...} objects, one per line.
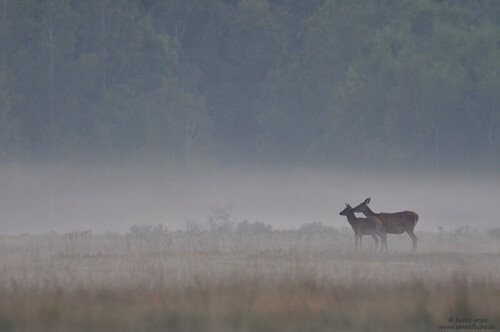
[{"x": 411, "y": 84}]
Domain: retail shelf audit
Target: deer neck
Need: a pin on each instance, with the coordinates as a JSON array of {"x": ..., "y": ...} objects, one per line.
[
  {"x": 369, "y": 212},
  {"x": 351, "y": 218}
]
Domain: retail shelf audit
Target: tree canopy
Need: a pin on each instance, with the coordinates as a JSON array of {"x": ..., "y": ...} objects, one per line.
[{"x": 410, "y": 84}]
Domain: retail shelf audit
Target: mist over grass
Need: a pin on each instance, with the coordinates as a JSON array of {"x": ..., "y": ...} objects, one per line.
[
  {"x": 146, "y": 248},
  {"x": 63, "y": 198},
  {"x": 210, "y": 280}
]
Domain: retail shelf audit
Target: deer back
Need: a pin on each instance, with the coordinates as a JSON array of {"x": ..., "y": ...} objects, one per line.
[{"x": 399, "y": 222}]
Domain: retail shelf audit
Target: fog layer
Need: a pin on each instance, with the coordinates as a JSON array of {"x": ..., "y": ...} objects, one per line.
[{"x": 40, "y": 199}]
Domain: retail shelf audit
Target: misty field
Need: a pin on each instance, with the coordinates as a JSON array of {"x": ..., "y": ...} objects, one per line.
[{"x": 250, "y": 279}]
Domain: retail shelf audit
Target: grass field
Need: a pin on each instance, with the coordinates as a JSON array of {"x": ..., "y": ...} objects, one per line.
[{"x": 302, "y": 280}]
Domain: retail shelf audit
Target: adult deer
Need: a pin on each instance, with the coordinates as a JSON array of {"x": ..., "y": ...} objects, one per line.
[
  {"x": 365, "y": 226},
  {"x": 394, "y": 223}
]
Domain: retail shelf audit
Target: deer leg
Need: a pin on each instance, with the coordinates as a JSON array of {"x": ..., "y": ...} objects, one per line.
[
  {"x": 376, "y": 241},
  {"x": 414, "y": 240},
  {"x": 383, "y": 240},
  {"x": 356, "y": 241}
]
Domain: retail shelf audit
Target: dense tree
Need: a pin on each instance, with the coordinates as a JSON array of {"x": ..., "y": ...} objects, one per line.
[{"x": 409, "y": 84}]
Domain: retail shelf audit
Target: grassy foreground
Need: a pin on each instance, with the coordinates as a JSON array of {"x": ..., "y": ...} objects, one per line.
[
  {"x": 242, "y": 304},
  {"x": 64, "y": 283}
]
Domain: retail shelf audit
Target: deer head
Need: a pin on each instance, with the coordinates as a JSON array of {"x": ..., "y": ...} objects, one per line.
[
  {"x": 363, "y": 207},
  {"x": 346, "y": 211}
]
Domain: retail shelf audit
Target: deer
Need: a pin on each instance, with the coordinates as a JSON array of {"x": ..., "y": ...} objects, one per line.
[
  {"x": 365, "y": 226},
  {"x": 394, "y": 223}
]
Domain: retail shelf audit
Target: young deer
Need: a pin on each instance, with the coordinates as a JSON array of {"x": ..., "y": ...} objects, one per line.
[
  {"x": 394, "y": 223},
  {"x": 365, "y": 226}
]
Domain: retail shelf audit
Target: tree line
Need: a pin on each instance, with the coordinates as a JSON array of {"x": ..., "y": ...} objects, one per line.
[{"x": 411, "y": 84}]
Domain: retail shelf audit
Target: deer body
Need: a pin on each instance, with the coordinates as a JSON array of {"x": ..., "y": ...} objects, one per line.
[
  {"x": 365, "y": 226},
  {"x": 394, "y": 223}
]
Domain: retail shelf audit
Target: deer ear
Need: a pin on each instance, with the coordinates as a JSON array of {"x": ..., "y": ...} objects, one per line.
[
  {"x": 367, "y": 200},
  {"x": 346, "y": 204}
]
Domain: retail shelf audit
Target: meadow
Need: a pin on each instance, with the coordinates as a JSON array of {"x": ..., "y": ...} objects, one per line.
[{"x": 248, "y": 278}]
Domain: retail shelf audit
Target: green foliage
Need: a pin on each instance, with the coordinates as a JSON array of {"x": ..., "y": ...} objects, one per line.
[{"x": 409, "y": 84}]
